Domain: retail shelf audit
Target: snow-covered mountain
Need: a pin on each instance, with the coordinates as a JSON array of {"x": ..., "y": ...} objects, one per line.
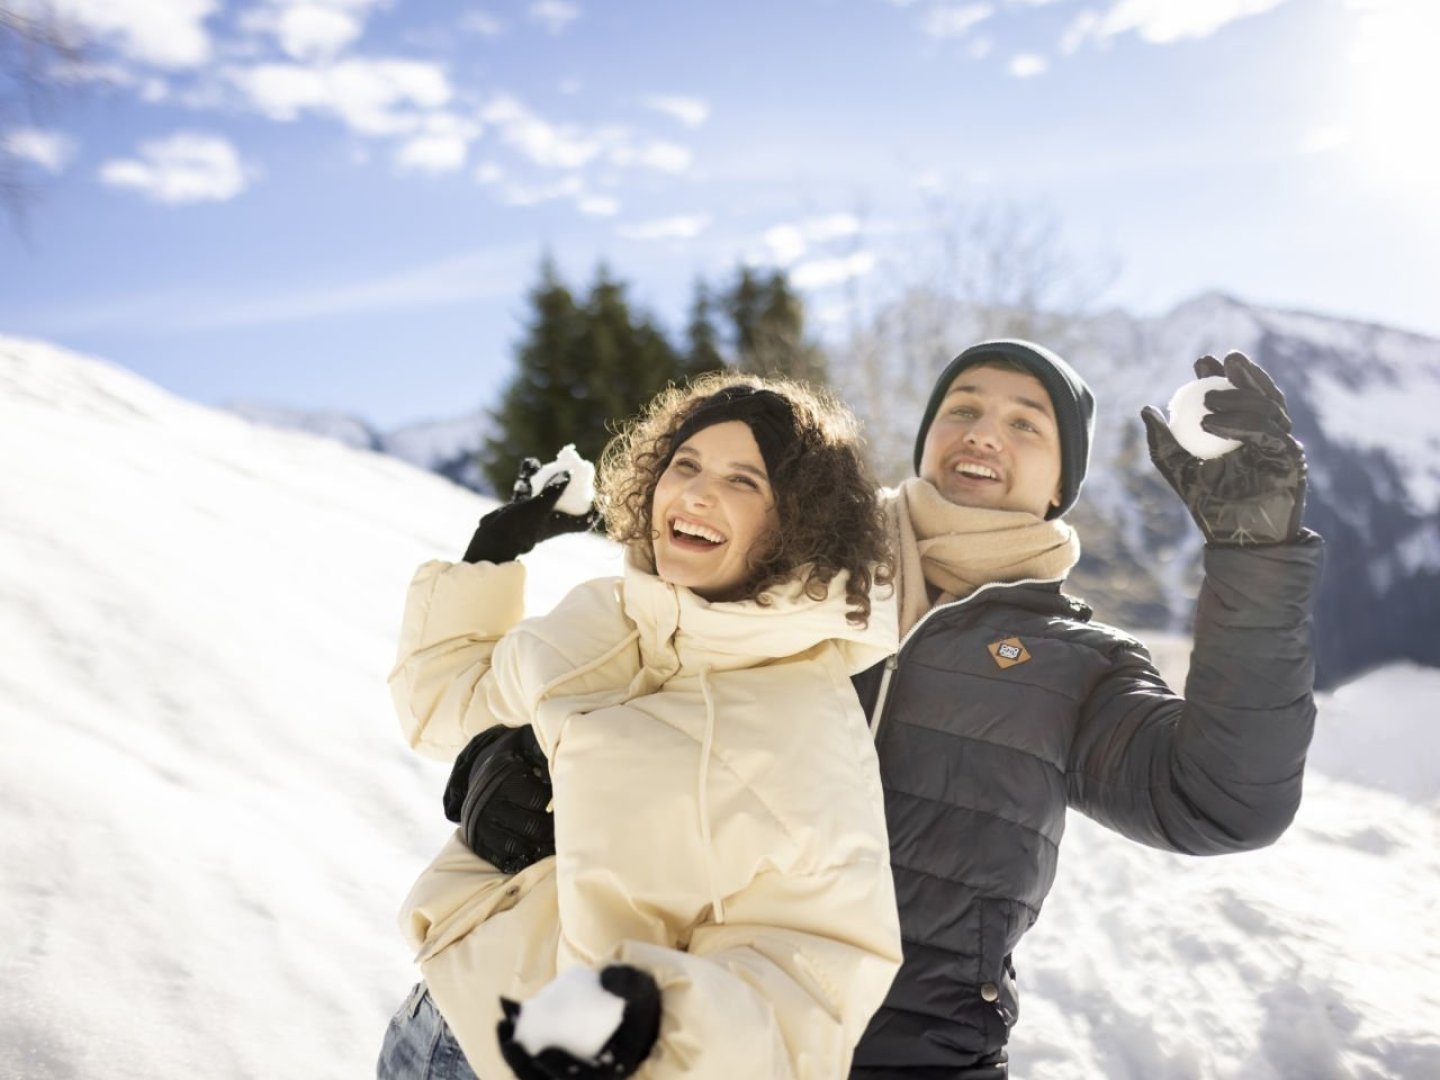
[
  {"x": 447, "y": 447},
  {"x": 208, "y": 817},
  {"x": 1364, "y": 400},
  {"x": 343, "y": 428}
]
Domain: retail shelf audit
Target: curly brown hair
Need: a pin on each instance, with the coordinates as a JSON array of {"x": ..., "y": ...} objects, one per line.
[{"x": 825, "y": 497}]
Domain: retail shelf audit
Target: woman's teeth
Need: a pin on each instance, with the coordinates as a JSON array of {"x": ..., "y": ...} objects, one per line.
[{"x": 686, "y": 528}]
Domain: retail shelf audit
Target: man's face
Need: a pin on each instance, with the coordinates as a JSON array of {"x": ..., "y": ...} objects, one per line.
[{"x": 994, "y": 443}]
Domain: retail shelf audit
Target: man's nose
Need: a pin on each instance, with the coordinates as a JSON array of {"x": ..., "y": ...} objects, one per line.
[{"x": 984, "y": 432}]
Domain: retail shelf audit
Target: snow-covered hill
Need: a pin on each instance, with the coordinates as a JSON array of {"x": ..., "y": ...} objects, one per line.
[{"x": 208, "y": 818}]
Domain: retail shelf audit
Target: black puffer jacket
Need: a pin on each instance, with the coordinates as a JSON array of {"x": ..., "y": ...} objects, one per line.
[{"x": 1001, "y": 710}]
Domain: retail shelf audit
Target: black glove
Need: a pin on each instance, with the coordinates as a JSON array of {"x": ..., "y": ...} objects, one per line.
[
  {"x": 509, "y": 531},
  {"x": 623, "y": 1051},
  {"x": 497, "y": 793},
  {"x": 1255, "y": 494}
]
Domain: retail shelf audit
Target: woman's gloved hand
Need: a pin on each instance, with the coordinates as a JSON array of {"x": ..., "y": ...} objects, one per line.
[
  {"x": 498, "y": 792},
  {"x": 509, "y": 531},
  {"x": 622, "y": 1053},
  {"x": 1255, "y": 494}
]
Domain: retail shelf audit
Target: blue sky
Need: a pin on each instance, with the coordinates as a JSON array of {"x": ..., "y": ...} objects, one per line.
[{"x": 340, "y": 203}]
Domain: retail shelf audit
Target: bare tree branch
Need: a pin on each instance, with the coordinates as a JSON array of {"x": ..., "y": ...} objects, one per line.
[
  {"x": 994, "y": 270},
  {"x": 35, "y": 46}
]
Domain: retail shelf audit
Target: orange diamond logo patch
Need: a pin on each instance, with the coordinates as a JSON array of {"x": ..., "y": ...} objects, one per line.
[{"x": 1009, "y": 652}]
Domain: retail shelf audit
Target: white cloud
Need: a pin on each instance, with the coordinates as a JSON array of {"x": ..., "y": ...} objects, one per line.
[
  {"x": 441, "y": 146},
  {"x": 1081, "y": 29},
  {"x": 487, "y": 172},
  {"x": 598, "y": 205},
  {"x": 372, "y": 97},
  {"x": 554, "y": 15},
  {"x": 823, "y": 273},
  {"x": 662, "y": 156},
  {"x": 680, "y": 227},
  {"x": 1027, "y": 65},
  {"x": 830, "y": 227},
  {"x": 50, "y": 150},
  {"x": 161, "y": 33},
  {"x": 791, "y": 241},
  {"x": 692, "y": 112},
  {"x": 489, "y": 272},
  {"x": 568, "y": 146},
  {"x": 953, "y": 21},
  {"x": 569, "y": 187},
  {"x": 432, "y": 154},
  {"x": 314, "y": 31},
  {"x": 786, "y": 243},
  {"x": 482, "y": 23},
  {"x": 546, "y": 144},
  {"x": 1163, "y": 22},
  {"x": 184, "y": 168}
]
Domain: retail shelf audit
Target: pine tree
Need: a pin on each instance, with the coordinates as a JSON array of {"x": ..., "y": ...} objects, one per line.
[
  {"x": 538, "y": 410},
  {"x": 581, "y": 369},
  {"x": 702, "y": 351},
  {"x": 768, "y": 320}
]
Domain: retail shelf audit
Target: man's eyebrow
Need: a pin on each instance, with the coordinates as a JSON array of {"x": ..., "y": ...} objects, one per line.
[{"x": 1031, "y": 403}]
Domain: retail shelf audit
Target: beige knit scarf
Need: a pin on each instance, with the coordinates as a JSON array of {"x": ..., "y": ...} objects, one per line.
[{"x": 957, "y": 549}]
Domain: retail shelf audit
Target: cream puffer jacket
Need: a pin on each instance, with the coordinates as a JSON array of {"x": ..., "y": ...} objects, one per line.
[{"x": 719, "y": 821}]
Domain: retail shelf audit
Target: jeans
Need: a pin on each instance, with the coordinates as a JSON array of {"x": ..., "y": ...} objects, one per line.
[{"x": 418, "y": 1044}]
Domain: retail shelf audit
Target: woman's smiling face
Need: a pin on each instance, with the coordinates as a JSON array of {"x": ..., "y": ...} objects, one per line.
[{"x": 711, "y": 506}]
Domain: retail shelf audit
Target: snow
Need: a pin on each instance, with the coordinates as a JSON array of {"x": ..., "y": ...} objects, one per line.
[
  {"x": 579, "y": 494},
  {"x": 572, "y": 1012},
  {"x": 1187, "y": 408},
  {"x": 208, "y": 818},
  {"x": 1395, "y": 415}
]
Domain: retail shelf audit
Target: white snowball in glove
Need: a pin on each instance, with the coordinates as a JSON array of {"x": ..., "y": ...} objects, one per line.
[
  {"x": 572, "y": 1012},
  {"x": 1187, "y": 408},
  {"x": 579, "y": 494}
]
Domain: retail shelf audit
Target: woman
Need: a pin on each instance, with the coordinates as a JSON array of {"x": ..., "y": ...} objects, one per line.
[{"x": 721, "y": 856}]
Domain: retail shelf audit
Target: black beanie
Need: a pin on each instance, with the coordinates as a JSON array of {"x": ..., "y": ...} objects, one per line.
[
  {"x": 768, "y": 414},
  {"x": 1071, "y": 399}
]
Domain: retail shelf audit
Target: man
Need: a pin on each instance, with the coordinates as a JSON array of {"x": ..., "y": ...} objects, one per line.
[{"x": 1005, "y": 704}]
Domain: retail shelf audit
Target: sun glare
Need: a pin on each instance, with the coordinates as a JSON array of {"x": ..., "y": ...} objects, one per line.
[{"x": 1390, "y": 124}]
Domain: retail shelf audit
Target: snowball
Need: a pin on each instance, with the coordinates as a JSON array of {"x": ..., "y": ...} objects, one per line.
[
  {"x": 572, "y": 1012},
  {"x": 579, "y": 494},
  {"x": 1187, "y": 407}
]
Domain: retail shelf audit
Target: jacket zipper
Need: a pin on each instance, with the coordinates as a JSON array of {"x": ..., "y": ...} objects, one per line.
[
  {"x": 893, "y": 660},
  {"x": 891, "y": 663}
]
